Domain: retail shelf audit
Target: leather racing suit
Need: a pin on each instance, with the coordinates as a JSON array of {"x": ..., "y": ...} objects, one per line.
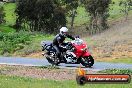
[{"x": 59, "y": 41}]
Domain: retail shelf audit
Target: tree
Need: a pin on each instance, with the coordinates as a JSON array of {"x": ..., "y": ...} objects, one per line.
[
  {"x": 2, "y": 14},
  {"x": 126, "y": 7},
  {"x": 98, "y": 11},
  {"x": 71, "y": 7},
  {"x": 40, "y": 15}
]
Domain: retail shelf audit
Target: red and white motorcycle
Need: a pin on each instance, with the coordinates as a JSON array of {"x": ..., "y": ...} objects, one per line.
[{"x": 75, "y": 52}]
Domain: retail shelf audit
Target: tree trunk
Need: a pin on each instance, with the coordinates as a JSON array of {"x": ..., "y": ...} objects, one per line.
[{"x": 73, "y": 17}]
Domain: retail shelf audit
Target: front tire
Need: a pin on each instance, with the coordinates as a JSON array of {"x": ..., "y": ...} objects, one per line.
[{"x": 87, "y": 61}]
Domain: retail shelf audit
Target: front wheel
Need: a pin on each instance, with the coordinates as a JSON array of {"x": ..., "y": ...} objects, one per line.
[{"x": 87, "y": 61}]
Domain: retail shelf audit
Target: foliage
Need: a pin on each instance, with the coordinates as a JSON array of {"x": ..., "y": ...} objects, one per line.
[
  {"x": 35, "y": 45},
  {"x": 10, "y": 42},
  {"x": 6, "y": 29},
  {"x": 126, "y": 6},
  {"x": 71, "y": 8},
  {"x": 2, "y": 14},
  {"x": 40, "y": 15},
  {"x": 98, "y": 11}
]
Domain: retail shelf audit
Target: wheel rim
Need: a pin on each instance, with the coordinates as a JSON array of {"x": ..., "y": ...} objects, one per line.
[
  {"x": 88, "y": 61},
  {"x": 54, "y": 59}
]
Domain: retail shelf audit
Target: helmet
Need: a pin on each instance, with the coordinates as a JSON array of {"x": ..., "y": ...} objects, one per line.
[{"x": 63, "y": 31}]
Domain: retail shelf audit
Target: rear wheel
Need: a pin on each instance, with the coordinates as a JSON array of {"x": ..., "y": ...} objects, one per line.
[
  {"x": 53, "y": 59},
  {"x": 87, "y": 61}
]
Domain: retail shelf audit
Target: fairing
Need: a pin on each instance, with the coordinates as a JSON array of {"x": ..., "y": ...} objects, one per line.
[{"x": 81, "y": 50}]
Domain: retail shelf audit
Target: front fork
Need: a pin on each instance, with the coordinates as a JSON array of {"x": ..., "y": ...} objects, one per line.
[{"x": 84, "y": 54}]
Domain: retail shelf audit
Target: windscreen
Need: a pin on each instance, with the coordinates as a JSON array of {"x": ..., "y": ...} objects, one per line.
[{"x": 77, "y": 41}]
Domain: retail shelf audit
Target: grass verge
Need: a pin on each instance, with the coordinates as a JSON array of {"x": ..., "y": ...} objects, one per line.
[
  {"x": 122, "y": 60},
  {"x": 11, "y": 42},
  {"x": 117, "y": 71},
  {"x": 21, "y": 82},
  {"x": 21, "y": 43},
  {"x": 34, "y": 45},
  {"x": 49, "y": 67},
  {"x": 116, "y": 60}
]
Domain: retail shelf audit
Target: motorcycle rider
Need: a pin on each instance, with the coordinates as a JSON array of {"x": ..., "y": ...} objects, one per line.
[{"x": 58, "y": 41}]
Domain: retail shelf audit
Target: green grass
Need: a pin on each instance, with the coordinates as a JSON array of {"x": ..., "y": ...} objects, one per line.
[
  {"x": 10, "y": 18},
  {"x": 6, "y": 29},
  {"x": 81, "y": 17},
  {"x": 49, "y": 67},
  {"x": 117, "y": 71},
  {"x": 21, "y": 43},
  {"x": 34, "y": 45},
  {"x": 11, "y": 42},
  {"x": 122, "y": 60},
  {"x": 127, "y": 60},
  {"x": 118, "y": 60},
  {"x": 9, "y": 9},
  {"x": 20, "y": 82}
]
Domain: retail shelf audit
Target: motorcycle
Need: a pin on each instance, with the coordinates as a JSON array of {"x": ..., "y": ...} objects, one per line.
[{"x": 75, "y": 52}]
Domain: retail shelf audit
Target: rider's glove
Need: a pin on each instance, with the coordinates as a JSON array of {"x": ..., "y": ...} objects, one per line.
[{"x": 64, "y": 47}]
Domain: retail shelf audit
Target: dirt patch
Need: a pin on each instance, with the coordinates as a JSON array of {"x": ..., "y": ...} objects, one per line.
[
  {"x": 114, "y": 43},
  {"x": 35, "y": 55},
  {"x": 36, "y": 72}
]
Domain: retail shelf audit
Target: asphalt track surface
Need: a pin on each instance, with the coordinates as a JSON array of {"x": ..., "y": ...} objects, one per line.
[{"x": 43, "y": 62}]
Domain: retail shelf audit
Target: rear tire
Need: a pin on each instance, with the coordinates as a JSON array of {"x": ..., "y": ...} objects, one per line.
[
  {"x": 87, "y": 61},
  {"x": 54, "y": 60}
]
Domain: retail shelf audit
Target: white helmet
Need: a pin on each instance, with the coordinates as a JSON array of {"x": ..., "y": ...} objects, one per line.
[{"x": 63, "y": 30}]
